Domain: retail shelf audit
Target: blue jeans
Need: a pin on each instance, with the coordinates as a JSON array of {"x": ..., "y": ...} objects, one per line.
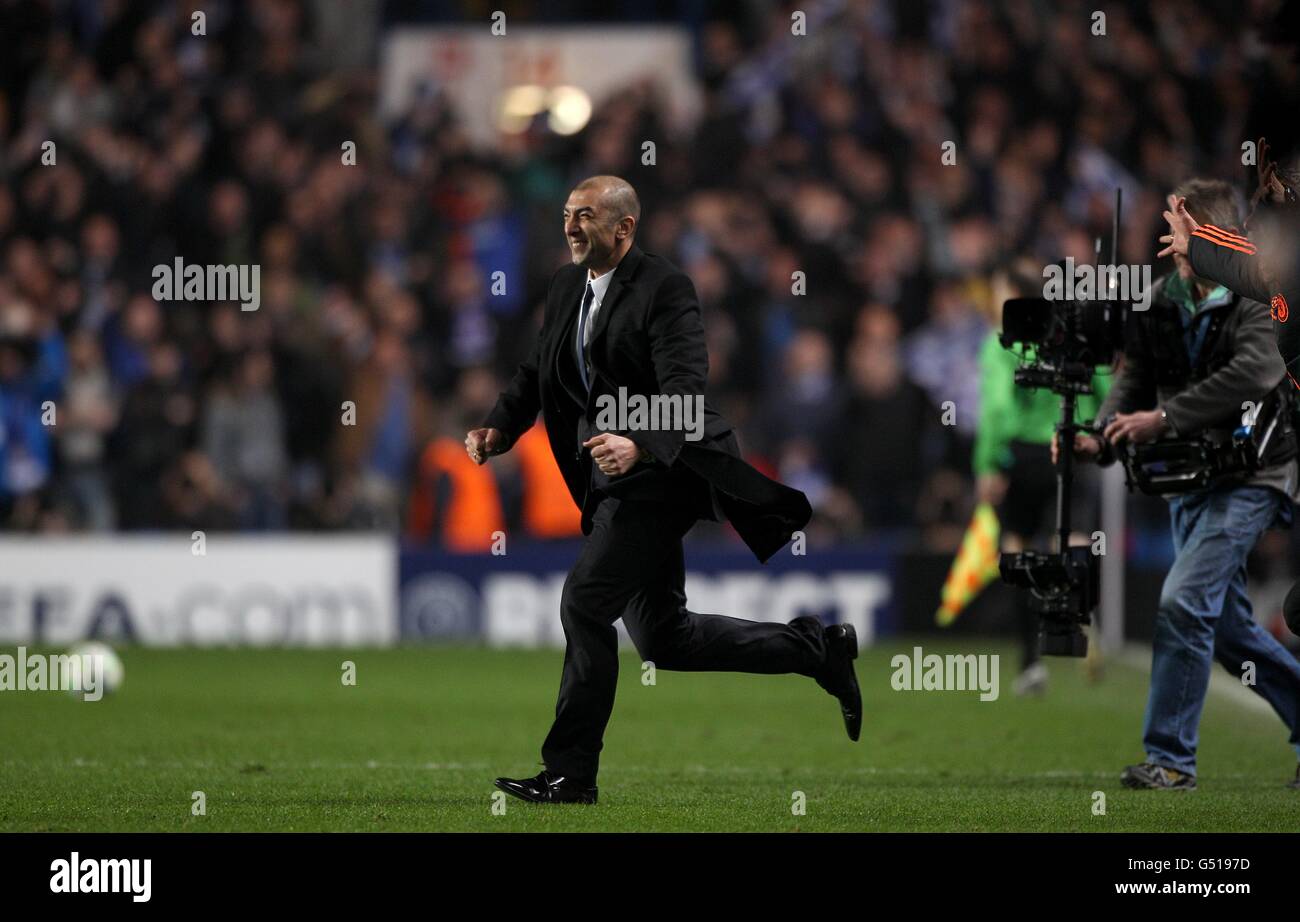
[{"x": 1205, "y": 612}]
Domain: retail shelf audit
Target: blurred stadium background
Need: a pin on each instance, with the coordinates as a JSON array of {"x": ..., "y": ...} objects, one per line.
[{"x": 386, "y": 163}]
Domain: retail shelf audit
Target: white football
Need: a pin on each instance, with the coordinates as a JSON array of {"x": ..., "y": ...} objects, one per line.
[{"x": 102, "y": 662}]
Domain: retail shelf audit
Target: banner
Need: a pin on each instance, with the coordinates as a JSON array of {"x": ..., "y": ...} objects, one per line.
[
  {"x": 476, "y": 68},
  {"x": 255, "y": 591},
  {"x": 514, "y": 599},
  {"x": 360, "y": 591}
]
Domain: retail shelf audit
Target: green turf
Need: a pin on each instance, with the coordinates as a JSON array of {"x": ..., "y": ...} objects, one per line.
[{"x": 276, "y": 742}]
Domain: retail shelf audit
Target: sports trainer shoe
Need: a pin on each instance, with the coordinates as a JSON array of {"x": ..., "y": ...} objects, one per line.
[
  {"x": 1296, "y": 782},
  {"x": 1157, "y": 778},
  {"x": 1032, "y": 681}
]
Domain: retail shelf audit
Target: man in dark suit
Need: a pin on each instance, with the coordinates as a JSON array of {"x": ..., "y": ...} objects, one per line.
[{"x": 620, "y": 323}]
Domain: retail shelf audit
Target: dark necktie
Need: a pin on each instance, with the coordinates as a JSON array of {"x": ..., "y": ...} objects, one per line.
[{"x": 587, "y": 298}]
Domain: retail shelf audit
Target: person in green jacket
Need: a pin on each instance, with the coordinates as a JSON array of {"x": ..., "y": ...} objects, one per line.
[{"x": 1012, "y": 455}]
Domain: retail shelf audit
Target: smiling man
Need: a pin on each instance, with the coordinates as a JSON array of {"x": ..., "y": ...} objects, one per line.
[{"x": 618, "y": 318}]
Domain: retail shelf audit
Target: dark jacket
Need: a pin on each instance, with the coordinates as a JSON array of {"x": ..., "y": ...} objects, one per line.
[
  {"x": 648, "y": 338},
  {"x": 1232, "y": 261},
  {"x": 1237, "y": 361}
]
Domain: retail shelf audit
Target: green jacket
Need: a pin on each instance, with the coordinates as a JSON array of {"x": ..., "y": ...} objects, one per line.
[{"x": 1010, "y": 413}]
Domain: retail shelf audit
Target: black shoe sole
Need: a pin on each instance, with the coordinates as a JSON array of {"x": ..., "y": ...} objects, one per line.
[
  {"x": 852, "y": 725},
  {"x": 513, "y": 792},
  {"x": 541, "y": 800}
]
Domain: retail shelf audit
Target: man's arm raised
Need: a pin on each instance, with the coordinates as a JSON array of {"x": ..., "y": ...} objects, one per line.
[{"x": 1218, "y": 255}]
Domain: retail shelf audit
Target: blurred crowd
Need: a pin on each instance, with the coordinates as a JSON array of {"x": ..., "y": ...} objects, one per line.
[{"x": 898, "y": 155}]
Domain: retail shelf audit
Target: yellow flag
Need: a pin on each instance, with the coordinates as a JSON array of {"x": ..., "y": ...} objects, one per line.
[{"x": 975, "y": 566}]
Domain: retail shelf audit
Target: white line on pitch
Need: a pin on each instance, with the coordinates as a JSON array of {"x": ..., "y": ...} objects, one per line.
[{"x": 1222, "y": 684}]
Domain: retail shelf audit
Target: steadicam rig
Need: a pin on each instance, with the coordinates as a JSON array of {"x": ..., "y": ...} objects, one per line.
[{"x": 1066, "y": 340}]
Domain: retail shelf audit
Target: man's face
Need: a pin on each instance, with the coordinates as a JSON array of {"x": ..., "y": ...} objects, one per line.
[{"x": 589, "y": 227}]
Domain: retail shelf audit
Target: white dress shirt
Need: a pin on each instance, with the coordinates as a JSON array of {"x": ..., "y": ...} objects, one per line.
[{"x": 599, "y": 285}]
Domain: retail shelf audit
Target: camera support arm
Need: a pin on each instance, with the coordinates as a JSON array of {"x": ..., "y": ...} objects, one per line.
[{"x": 1066, "y": 429}]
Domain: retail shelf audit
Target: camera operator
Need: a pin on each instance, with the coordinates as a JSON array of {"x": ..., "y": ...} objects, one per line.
[
  {"x": 1191, "y": 361},
  {"x": 1265, "y": 268}
]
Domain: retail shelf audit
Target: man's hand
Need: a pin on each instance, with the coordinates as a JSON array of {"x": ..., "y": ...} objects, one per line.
[
  {"x": 1086, "y": 447},
  {"x": 613, "y": 454},
  {"x": 1181, "y": 225},
  {"x": 991, "y": 488},
  {"x": 1143, "y": 426},
  {"x": 481, "y": 444},
  {"x": 1270, "y": 187}
]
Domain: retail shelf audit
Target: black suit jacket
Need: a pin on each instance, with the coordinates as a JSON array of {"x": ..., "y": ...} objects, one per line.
[{"x": 648, "y": 337}]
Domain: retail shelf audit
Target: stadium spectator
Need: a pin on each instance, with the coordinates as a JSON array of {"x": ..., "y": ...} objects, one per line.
[{"x": 813, "y": 182}]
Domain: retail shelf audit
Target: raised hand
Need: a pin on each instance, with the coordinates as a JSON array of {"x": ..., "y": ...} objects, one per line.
[{"x": 1181, "y": 226}]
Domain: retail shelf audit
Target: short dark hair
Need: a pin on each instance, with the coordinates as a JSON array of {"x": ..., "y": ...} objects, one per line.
[
  {"x": 617, "y": 195},
  {"x": 1212, "y": 201}
]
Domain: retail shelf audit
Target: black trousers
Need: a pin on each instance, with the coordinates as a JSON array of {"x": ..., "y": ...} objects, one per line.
[{"x": 631, "y": 566}]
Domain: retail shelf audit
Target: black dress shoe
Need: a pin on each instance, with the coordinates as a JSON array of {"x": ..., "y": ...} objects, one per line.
[
  {"x": 838, "y": 677},
  {"x": 549, "y": 788}
]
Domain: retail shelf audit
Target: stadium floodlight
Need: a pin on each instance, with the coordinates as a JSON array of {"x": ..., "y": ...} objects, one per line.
[
  {"x": 570, "y": 110},
  {"x": 519, "y": 106}
]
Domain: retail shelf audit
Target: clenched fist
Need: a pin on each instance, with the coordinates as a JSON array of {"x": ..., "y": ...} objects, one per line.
[
  {"x": 614, "y": 454},
  {"x": 481, "y": 444}
]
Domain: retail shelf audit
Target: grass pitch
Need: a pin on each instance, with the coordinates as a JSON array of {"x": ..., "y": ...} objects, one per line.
[{"x": 276, "y": 742}]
